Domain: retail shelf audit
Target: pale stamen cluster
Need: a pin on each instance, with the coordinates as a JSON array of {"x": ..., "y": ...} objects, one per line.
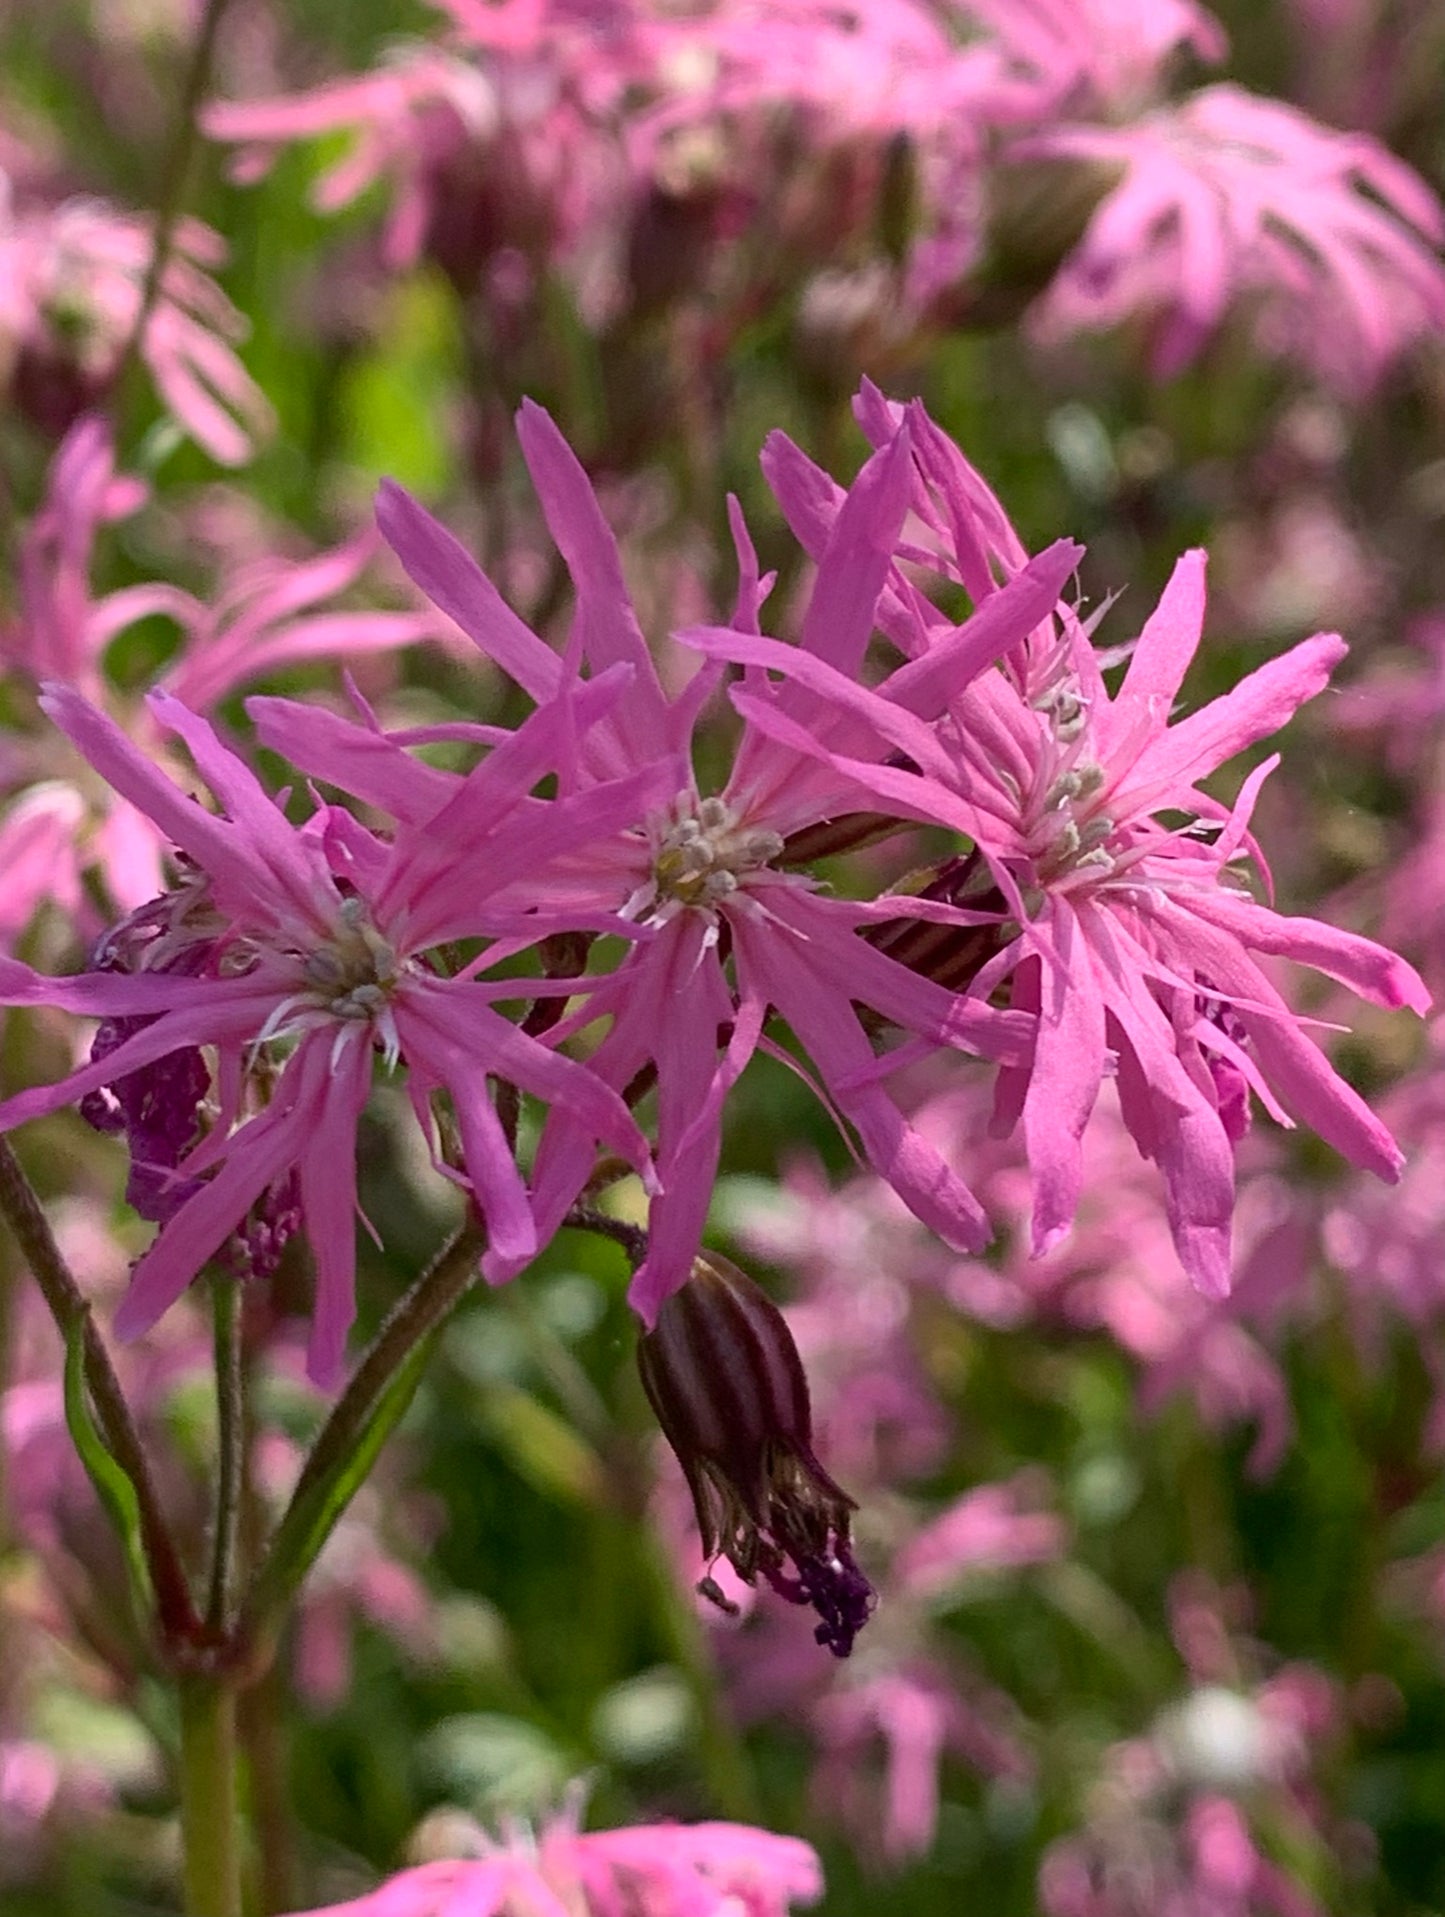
[
  {"x": 706, "y": 855},
  {"x": 349, "y": 975},
  {"x": 1069, "y": 834}
]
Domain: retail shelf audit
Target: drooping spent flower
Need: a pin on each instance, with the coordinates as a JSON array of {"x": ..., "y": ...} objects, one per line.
[{"x": 723, "y": 1375}]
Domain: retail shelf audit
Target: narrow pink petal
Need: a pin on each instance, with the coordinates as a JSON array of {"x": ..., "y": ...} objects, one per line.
[
  {"x": 1161, "y": 658},
  {"x": 258, "y": 1154},
  {"x": 1068, "y": 1069},
  {"x": 481, "y": 1040},
  {"x": 824, "y": 1020},
  {"x": 328, "y": 1200},
  {"x": 607, "y": 624},
  {"x": 210, "y": 841},
  {"x": 857, "y": 559},
  {"x": 1295, "y": 1066},
  {"x": 367, "y": 764},
  {"x": 231, "y": 1013},
  {"x": 297, "y": 873},
  {"x": 857, "y": 970},
  {"x": 1255, "y": 709},
  {"x": 928, "y": 684},
  {"x": 453, "y": 580},
  {"x": 1169, "y": 1117},
  {"x": 1369, "y": 969}
]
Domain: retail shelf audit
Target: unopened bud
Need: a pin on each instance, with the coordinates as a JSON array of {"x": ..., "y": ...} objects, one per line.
[{"x": 724, "y": 1377}]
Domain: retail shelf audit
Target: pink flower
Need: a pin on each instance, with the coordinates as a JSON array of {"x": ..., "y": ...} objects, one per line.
[
  {"x": 410, "y": 117},
  {"x": 989, "y": 1528},
  {"x": 319, "y": 936},
  {"x": 60, "y": 632},
  {"x": 71, "y": 278},
  {"x": 914, "y": 1715},
  {"x": 1231, "y": 198},
  {"x": 732, "y": 934},
  {"x": 1108, "y": 53},
  {"x": 650, "y": 1870},
  {"x": 264, "y": 617},
  {"x": 1130, "y": 937}
]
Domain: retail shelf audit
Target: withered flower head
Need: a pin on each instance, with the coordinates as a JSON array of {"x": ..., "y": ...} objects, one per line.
[{"x": 727, "y": 1384}]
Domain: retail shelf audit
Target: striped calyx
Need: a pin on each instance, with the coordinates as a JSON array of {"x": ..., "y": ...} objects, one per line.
[{"x": 724, "y": 1377}]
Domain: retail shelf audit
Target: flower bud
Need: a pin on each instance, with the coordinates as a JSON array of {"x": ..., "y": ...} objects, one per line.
[{"x": 724, "y": 1377}]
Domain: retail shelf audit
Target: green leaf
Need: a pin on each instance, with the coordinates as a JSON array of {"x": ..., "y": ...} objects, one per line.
[
  {"x": 542, "y": 1447},
  {"x": 113, "y": 1487}
]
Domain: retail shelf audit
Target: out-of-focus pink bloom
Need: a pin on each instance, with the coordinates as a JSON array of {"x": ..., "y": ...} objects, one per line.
[
  {"x": 71, "y": 279},
  {"x": 1397, "y": 707},
  {"x": 1297, "y": 564},
  {"x": 1389, "y": 1253},
  {"x": 919, "y": 1713},
  {"x": 987, "y": 1529},
  {"x": 1128, "y": 934},
  {"x": 412, "y": 117},
  {"x": 1104, "y": 53},
  {"x": 1232, "y": 199},
  {"x": 59, "y": 631},
  {"x": 650, "y": 1870},
  {"x": 574, "y": 134},
  {"x": 1176, "y": 1818},
  {"x": 319, "y": 935},
  {"x": 267, "y": 616}
]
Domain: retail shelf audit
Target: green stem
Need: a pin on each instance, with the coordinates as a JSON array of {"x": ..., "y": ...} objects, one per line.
[
  {"x": 71, "y": 1311},
  {"x": 175, "y": 180},
  {"x": 263, "y": 1736},
  {"x": 359, "y": 1422},
  {"x": 210, "y": 1804},
  {"x": 231, "y": 1449}
]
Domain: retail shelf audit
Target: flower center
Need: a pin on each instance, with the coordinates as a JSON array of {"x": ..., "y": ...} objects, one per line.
[
  {"x": 1070, "y": 836},
  {"x": 352, "y": 973},
  {"x": 708, "y": 852}
]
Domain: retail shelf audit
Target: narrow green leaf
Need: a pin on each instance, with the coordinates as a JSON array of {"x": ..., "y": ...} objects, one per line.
[
  {"x": 116, "y": 1492},
  {"x": 542, "y": 1447}
]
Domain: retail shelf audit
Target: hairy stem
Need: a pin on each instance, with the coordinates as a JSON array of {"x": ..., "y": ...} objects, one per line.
[
  {"x": 231, "y": 1449},
  {"x": 632, "y": 1238},
  {"x": 71, "y": 1311}
]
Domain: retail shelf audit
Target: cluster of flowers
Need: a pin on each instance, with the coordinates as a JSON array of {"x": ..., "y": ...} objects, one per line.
[
  {"x": 868, "y": 162},
  {"x": 1093, "y": 925}
]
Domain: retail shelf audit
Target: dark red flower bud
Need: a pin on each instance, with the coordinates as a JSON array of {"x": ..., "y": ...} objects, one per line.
[{"x": 724, "y": 1377}]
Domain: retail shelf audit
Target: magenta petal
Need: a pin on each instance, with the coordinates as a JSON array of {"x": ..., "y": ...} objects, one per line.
[
  {"x": 453, "y": 580},
  {"x": 1068, "y": 1069},
  {"x": 366, "y": 764},
  {"x": 258, "y": 1154},
  {"x": 328, "y": 1200},
  {"x": 1367, "y": 968},
  {"x": 1258, "y": 706},
  {"x": 1161, "y": 658}
]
